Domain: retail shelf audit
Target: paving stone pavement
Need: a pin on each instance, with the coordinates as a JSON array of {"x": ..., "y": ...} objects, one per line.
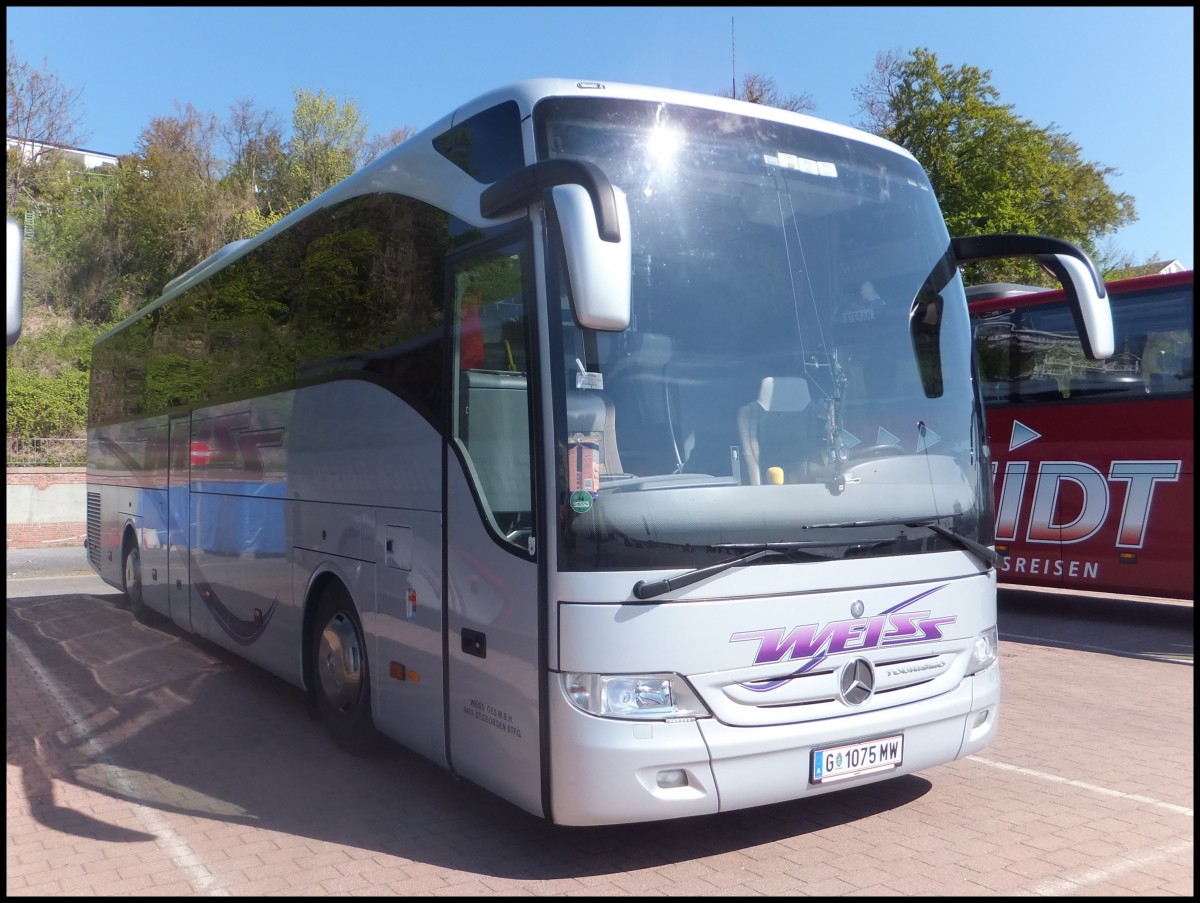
[{"x": 144, "y": 762}]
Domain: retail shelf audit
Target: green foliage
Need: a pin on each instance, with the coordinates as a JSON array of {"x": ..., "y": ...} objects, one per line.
[
  {"x": 498, "y": 276},
  {"x": 328, "y": 139},
  {"x": 172, "y": 210},
  {"x": 171, "y": 379},
  {"x": 248, "y": 223},
  {"x": 53, "y": 348},
  {"x": 992, "y": 170},
  {"x": 46, "y": 405},
  {"x": 68, "y": 268},
  {"x": 46, "y": 376},
  {"x": 257, "y": 157}
]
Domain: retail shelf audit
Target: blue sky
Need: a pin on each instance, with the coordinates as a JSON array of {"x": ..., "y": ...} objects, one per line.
[{"x": 1118, "y": 81}]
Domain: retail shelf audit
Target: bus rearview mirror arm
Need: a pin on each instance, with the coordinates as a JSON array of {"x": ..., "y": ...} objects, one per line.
[
  {"x": 593, "y": 217},
  {"x": 1072, "y": 267},
  {"x": 521, "y": 188}
]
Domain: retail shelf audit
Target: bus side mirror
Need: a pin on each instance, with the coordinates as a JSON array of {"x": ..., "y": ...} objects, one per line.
[
  {"x": 599, "y": 270},
  {"x": 14, "y": 281},
  {"x": 593, "y": 216},
  {"x": 1072, "y": 267},
  {"x": 1093, "y": 314}
]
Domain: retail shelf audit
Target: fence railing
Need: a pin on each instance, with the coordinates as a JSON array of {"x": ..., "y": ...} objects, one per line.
[{"x": 46, "y": 452}]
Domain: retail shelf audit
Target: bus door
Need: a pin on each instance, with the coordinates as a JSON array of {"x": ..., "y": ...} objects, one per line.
[
  {"x": 179, "y": 520},
  {"x": 492, "y": 623}
]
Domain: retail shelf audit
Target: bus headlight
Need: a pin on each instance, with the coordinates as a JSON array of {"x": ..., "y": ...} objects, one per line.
[
  {"x": 983, "y": 653},
  {"x": 640, "y": 697}
]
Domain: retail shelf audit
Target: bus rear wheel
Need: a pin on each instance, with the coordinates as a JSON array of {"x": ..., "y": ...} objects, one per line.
[{"x": 341, "y": 676}]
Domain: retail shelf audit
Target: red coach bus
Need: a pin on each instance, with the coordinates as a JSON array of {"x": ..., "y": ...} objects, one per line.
[{"x": 1092, "y": 461}]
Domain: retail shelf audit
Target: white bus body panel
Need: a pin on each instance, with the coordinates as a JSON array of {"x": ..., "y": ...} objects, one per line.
[
  {"x": 610, "y": 774},
  {"x": 316, "y": 481},
  {"x": 767, "y": 668},
  {"x": 407, "y": 630},
  {"x": 493, "y": 694}
]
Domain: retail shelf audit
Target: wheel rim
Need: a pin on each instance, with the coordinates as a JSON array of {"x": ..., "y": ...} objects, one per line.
[{"x": 340, "y": 663}]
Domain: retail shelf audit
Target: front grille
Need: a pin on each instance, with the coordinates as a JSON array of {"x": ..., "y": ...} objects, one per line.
[{"x": 795, "y": 695}]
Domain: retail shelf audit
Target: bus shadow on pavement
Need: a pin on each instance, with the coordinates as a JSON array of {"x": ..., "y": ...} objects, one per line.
[
  {"x": 158, "y": 718},
  {"x": 1159, "y": 631}
]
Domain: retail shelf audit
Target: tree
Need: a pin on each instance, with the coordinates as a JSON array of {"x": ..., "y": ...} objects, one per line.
[
  {"x": 40, "y": 112},
  {"x": 757, "y": 88},
  {"x": 327, "y": 142},
  {"x": 69, "y": 263},
  {"x": 380, "y": 144},
  {"x": 255, "y": 141},
  {"x": 992, "y": 171},
  {"x": 256, "y": 172},
  {"x": 171, "y": 209},
  {"x": 46, "y": 382},
  {"x": 879, "y": 98}
]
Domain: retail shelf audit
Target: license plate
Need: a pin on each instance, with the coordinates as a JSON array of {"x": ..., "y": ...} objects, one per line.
[{"x": 838, "y": 762}]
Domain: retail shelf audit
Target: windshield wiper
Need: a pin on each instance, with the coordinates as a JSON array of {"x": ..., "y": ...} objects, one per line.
[
  {"x": 990, "y": 556},
  {"x": 646, "y": 589}
]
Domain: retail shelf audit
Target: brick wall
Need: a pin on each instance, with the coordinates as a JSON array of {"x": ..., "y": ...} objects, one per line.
[{"x": 46, "y": 506}]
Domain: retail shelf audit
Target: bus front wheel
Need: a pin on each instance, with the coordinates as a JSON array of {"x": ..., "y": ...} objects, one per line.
[
  {"x": 131, "y": 580},
  {"x": 341, "y": 677}
]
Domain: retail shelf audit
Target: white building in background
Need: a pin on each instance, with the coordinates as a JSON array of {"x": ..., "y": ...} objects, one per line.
[
  {"x": 1157, "y": 268},
  {"x": 88, "y": 159}
]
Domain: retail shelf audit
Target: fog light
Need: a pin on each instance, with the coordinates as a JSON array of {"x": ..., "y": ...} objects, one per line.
[
  {"x": 981, "y": 717},
  {"x": 675, "y": 777}
]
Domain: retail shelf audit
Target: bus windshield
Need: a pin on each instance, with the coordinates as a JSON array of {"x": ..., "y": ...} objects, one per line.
[{"x": 794, "y": 309}]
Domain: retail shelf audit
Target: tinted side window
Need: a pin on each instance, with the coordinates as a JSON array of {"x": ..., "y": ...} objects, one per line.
[
  {"x": 353, "y": 290},
  {"x": 488, "y": 145},
  {"x": 1033, "y": 353}
]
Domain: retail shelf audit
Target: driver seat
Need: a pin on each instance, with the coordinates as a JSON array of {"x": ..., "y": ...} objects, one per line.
[{"x": 775, "y": 430}]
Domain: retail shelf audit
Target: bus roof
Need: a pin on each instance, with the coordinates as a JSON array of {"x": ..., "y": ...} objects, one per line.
[{"x": 997, "y": 295}]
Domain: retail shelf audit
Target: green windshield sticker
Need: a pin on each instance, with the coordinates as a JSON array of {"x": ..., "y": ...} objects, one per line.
[{"x": 581, "y": 501}]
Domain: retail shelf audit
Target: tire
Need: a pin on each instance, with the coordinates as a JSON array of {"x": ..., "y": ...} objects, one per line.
[
  {"x": 341, "y": 673},
  {"x": 131, "y": 582}
]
